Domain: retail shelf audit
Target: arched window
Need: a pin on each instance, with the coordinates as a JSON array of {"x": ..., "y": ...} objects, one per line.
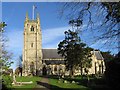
[
  {"x": 32, "y": 28},
  {"x": 31, "y": 44},
  {"x": 55, "y": 68}
]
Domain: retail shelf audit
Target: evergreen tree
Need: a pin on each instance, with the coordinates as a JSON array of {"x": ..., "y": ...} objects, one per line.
[{"x": 74, "y": 51}]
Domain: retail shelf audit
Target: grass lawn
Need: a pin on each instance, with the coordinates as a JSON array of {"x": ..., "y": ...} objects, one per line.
[
  {"x": 55, "y": 85},
  {"x": 27, "y": 79},
  {"x": 94, "y": 83}
]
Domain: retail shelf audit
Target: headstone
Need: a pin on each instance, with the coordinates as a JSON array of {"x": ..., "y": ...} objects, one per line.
[
  {"x": 62, "y": 76},
  {"x": 58, "y": 81},
  {"x": 73, "y": 81},
  {"x": 14, "y": 80},
  {"x": 65, "y": 81},
  {"x": 10, "y": 74},
  {"x": 77, "y": 82},
  {"x": 19, "y": 74}
]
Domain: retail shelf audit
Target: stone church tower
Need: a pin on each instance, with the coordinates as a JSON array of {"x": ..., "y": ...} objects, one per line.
[{"x": 32, "y": 50}]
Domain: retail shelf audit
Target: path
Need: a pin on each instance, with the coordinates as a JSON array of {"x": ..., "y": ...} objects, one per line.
[{"x": 43, "y": 84}]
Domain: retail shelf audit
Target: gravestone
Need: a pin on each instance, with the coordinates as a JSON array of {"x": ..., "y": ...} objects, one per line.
[
  {"x": 14, "y": 80},
  {"x": 65, "y": 81},
  {"x": 73, "y": 81}
]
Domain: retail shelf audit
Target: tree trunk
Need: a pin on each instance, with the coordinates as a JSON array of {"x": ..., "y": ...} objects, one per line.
[
  {"x": 81, "y": 71},
  {"x": 81, "y": 68},
  {"x": 88, "y": 80},
  {"x": 72, "y": 72}
]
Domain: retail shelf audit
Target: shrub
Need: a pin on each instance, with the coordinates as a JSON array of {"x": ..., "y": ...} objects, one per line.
[{"x": 7, "y": 81}]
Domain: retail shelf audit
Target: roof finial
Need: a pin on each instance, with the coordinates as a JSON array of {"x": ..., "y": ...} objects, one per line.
[
  {"x": 38, "y": 18},
  {"x": 26, "y": 18}
]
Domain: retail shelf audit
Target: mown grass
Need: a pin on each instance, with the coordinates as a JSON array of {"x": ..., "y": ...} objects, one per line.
[
  {"x": 56, "y": 84},
  {"x": 94, "y": 83}
]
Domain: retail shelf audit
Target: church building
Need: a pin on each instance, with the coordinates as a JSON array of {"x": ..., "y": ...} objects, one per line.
[{"x": 38, "y": 61}]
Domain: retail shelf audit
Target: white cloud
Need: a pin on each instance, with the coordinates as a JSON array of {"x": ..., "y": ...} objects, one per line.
[
  {"x": 52, "y": 35},
  {"x": 50, "y": 38},
  {"x": 100, "y": 44}
]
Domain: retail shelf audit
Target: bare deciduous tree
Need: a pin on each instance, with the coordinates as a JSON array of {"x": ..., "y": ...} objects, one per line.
[
  {"x": 102, "y": 18},
  {"x": 5, "y": 58}
]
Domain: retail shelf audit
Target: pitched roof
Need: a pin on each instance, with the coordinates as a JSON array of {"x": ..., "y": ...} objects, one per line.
[
  {"x": 98, "y": 55},
  {"x": 51, "y": 54}
]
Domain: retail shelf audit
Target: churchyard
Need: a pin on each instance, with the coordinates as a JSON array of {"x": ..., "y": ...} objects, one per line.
[
  {"x": 88, "y": 62},
  {"x": 56, "y": 83}
]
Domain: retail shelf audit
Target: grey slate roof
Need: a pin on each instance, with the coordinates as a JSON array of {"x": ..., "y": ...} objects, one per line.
[
  {"x": 51, "y": 54},
  {"x": 98, "y": 55}
]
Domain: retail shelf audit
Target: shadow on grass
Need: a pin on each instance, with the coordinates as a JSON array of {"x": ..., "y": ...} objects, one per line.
[
  {"x": 81, "y": 81},
  {"x": 48, "y": 86},
  {"x": 54, "y": 87},
  {"x": 94, "y": 83}
]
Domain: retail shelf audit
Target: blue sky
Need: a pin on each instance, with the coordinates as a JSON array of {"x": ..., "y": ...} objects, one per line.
[{"x": 52, "y": 26}]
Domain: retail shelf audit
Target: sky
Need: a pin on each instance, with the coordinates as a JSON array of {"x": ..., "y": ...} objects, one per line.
[{"x": 52, "y": 25}]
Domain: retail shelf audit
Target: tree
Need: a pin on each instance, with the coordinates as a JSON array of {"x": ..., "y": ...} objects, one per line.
[
  {"x": 99, "y": 17},
  {"x": 74, "y": 51},
  {"x": 87, "y": 61},
  {"x": 112, "y": 73},
  {"x": 5, "y": 57},
  {"x": 19, "y": 62},
  {"x": 70, "y": 50},
  {"x": 18, "y": 71},
  {"x": 107, "y": 56}
]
